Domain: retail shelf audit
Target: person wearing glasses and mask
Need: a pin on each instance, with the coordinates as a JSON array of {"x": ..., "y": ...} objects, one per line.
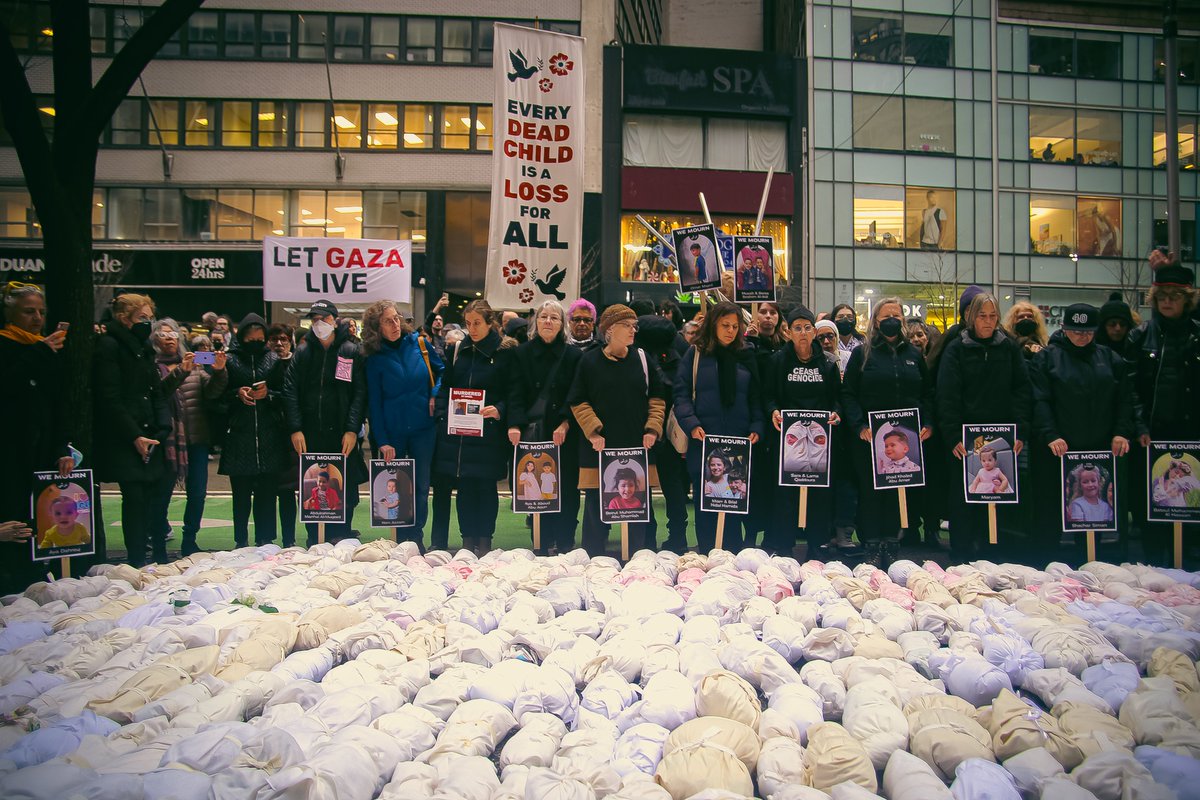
[
  {"x": 132, "y": 421},
  {"x": 581, "y": 321},
  {"x": 325, "y": 403},
  {"x": 846, "y": 321}
]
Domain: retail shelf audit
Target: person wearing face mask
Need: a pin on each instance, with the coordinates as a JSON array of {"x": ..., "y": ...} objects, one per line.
[
  {"x": 281, "y": 340},
  {"x": 846, "y": 321},
  {"x": 1083, "y": 400},
  {"x": 800, "y": 377},
  {"x": 843, "y": 479},
  {"x": 131, "y": 422},
  {"x": 886, "y": 374},
  {"x": 404, "y": 374},
  {"x": 256, "y": 446},
  {"x": 981, "y": 379},
  {"x": 768, "y": 333},
  {"x": 325, "y": 403},
  {"x": 1164, "y": 352},
  {"x": 1114, "y": 324},
  {"x": 1025, "y": 321},
  {"x": 717, "y": 392},
  {"x": 543, "y": 370}
]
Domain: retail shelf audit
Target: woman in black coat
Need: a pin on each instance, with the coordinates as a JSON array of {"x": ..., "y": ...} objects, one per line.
[
  {"x": 543, "y": 370},
  {"x": 131, "y": 421},
  {"x": 767, "y": 332},
  {"x": 475, "y": 463},
  {"x": 255, "y": 447},
  {"x": 800, "y": 377},
  {"x": 717, "y": 393},
  {"x": 886, "y": 373},
  {"x": 1082, "y": 400},
  {"x": 981, "y": 379}
]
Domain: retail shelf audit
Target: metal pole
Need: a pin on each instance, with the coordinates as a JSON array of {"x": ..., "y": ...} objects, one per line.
[{"x": 1171, "y": 48}]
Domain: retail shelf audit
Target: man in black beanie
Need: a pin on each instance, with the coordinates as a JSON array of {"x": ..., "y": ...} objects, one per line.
[{"x": 1116, "y": 320}]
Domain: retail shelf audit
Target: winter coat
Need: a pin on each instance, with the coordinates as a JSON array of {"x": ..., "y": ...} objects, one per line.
[
  {"x": 475, "y": 365},
  {"x": 893, "y": 377},
  {"x": 789, "y": 383},
  {"x": 621, "y": 399},
  {"x": 533, "y": 364},
  {"x": 399, "y": 386},
  {"x": 1165, "y": 359},
  {"x": 32, "y": 405},
  {"x": 322, "y": 406},
  {"x": 1083, "y": 395},
  {"x": 982, "y": 382},
  {"x": 658, "y": 338},
  {"x": 257, "y": 441},
  {"x": 129, "y": 403},
  {"x": 741, "y": 418},
  {"x": 197, "y": 391}
]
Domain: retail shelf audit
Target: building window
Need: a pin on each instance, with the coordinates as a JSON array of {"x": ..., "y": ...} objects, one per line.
[
  {"x": 308, "y": 214},
  {"x": 98, "y": 23},
  {"x": 347, "y": 125},
  {"x": 125, "y": 214},
  {"x": 348, "y": 38},
  {"x": 930, "y": 218},
  {"x": 17, "y": 217},
  {"x": 1068, "y": 54},
  {"x": 239, "y": 34},
  {"x": 383, "y": 124},
  {"x": 275, "y": 35},
  {"x": 270, "y": 210},
  {"x": 916, "y": 217},
  {"x": 878, "y": 122},
  {"x": 198, "y": 214},
  {"x": 1098, "y": 56},
  {"x": 697, "y": 143},
  {"x": 878, "y": 37},
  {"x": 1187, "y": 53},
  {"x": 644, "y": 259},
  {"x": 1187, "y": 229},
  {"x": 203, "y": 34},
  {"x": 1186, "y": 139},
  {"x": 311, "y": 120},
  {"x": 1052, "y": 225},
  {"x": 235, "y": 215},
  {"x": 486, "y": 36},
  {"x": 311, "y": 35},
  {"x": 1099, "y": 226},
  {"x": 161, "y": 215},
  {"x": 99, "y": 214},
  {"x": 272, "y": 119},
  {"x": 418, "y": 126},
  {"x": 456, "y": 127},
  {"x": 385, "y": 38},
  {"x": 394, "y": 215},
  {"x": 928, "y": 41},
  {"x": 235, "y": 123},
  {"x": 483, "y": 127},
  {"x": 878, "y": 216},
  {"x": 420, "y": 43},
  {"x": 164, "y": 122},
  {"x": 1098, "y": 137},
  {"x": 345, "y": 212},
  {"x": 1051, "y": 134},
  {"x": 661, "y": 141},
  {"x": 126, "y": 125},
  {"x": 916, "y": 39},
  {"x": 199, "y": 123},
  {"x": 1052, "y": 53},
  {"x": 456, "y": 41},
  {"x": 928, "y": 125}
]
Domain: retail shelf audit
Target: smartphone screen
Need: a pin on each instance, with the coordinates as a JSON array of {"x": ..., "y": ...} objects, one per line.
[
  {"x": 62, "y": 326},
  {"x": 258, "y": 385},
  {"x": 204, "y": 357}
]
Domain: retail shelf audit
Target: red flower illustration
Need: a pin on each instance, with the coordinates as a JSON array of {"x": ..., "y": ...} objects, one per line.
[
  {"x": 526, "y": 295},
  {"x": 545, "y": 84},
  {"x": 514, "y": 272},
  {"x": 560, "y": 64}
]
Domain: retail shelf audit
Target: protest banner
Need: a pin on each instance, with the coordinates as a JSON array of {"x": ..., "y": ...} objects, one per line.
[
  {"x": 535, "y": 230},
  {"x": 303, "y": 269},
  {"x": 990, "y": 468}
]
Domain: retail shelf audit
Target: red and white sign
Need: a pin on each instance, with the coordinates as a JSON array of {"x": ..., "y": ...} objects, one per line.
[
  {"x": 534, "y": 247},
  {"x": 349, "y": 270}
]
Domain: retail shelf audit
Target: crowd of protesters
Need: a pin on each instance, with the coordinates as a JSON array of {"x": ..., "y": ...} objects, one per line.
[{"x": 588, "y": 381}]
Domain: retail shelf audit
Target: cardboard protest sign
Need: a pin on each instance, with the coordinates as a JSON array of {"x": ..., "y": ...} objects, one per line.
[
  {"x": 804, "y": 448},
  {"x": 699, "y": 261},
  {"x": 897, "y": 460},
  {"x": 1173, "y": 482},
  {"x": 535, "y": 478},
  {"x": 304, "y": 269},
  {"x": 754, "y": 269},
  {"x": 1089, "y": 499},
  {"x": 536, "y": 226},
  {"x": 624, "y": 488},
  {"x": 63, "y": 515},
  {"x": 466, "y": 412},
  {"x": 990, "y": 466},
  {"x": 393, "y": 496},
  {"x": 322, "y": 487},
  {"x": 725, "y": 469}
]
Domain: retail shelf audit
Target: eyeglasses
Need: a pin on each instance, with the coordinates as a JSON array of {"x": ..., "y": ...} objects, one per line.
[
  {"x": 168, "y": 335},
  {"x": 628, "y": 324},
  {"x": 580, "y": 320},
  {"x": 826, "y": 337}
]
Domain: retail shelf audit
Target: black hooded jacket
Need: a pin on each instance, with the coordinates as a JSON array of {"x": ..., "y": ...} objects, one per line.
[
  {"x": 486, "y": 365},
  {"x": 982, "y": 381},
  {"x": 256, "y": 442},
  {"x": 129, "y": 403},
  {"x": 657, "y": 336},
  {"x": 1165, "y": 358},
  {"x": 1083, "y": 395}
]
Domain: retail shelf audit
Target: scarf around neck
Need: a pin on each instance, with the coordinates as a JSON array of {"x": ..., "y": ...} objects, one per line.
[{"x": 20, "y": 335}]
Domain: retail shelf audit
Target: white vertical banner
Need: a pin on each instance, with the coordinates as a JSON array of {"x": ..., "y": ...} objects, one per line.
[{"x": 534, "y": 240}]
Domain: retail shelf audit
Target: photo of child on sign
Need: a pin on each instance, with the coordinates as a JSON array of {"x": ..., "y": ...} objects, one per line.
[
  {"x": 804, "y": 448},
  {"x": 896, "y": 448},
  {"x": 1174, "y": 485},
  {"x": 321, "y": 487},
  {"x": 624, "y": 495},
  {"x": 62, "y": 515},
  {"x": 1088, "y": 501},
  {"x": 392, "y": 498},
  {"x": 535, "y": 478},
  {"x": 699, "y": 263},
  {"x": 989, "y": 468},
  {"x": 726, "y": 485},
  {"x": 754, "y": 271}
]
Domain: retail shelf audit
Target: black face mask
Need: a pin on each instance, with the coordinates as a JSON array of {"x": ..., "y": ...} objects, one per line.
[
  {"x": 1025, "y": 327},
  {"x": 845, "y": 326},
  {"x": 255, "y": 348},
  {"x": 141, "y": 330},
  {"x": 890, "y": 327}
]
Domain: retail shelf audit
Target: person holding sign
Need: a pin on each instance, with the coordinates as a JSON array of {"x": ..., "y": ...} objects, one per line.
[
  {"x": 404, "y": 373},
  {"x": 717, "y": 392},
  {"x": 1165, "y": 353},
  {"x": 618, "y": 399},
  {"x": 885, "y": 374},
  {"x": 473, "y": 464},
  {"x": 544, "y": 368},
  {"x": 981, "y": 378},
  {"x": 1083, "y": 400},
  {"x": 325, "y": 404},
  {"x": 801, "y": 377}
]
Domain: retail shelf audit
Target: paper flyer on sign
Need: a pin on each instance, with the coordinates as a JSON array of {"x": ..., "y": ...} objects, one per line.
[
  {"x": 534, "y": 237},
  {"x": 896, "y": 457},
  {"x": 990, "y": 465},
  {"x": 63, "y": 515},
  {"x": 1173, "y": 482},
  {"x": 753, "y": 269},
  {"x": 304, "y": 269},
  {"x": 624, "y": 486},
  {"x": 465, "y": 417},
  {"x": 804, "y": 447},
  {"x": 725, "y": 468},
  {"x": 322, "y": 487},
  {"x": 535, "y": 478},
  {"x": 1089, "y": 498},
  {"x": 393, "y": 494}
]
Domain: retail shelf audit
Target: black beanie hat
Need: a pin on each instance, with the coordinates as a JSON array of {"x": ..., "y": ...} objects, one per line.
[{"x": 1116, "y": 308}]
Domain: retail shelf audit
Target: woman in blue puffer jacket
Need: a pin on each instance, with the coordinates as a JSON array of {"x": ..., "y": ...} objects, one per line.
[{"x": 403, "y": 377}]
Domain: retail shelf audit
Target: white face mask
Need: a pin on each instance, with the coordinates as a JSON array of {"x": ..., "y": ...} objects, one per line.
[{"x": 322, "y": 329}]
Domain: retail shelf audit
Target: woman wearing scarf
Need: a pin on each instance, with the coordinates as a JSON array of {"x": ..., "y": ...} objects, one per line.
[
  {"x": 31, "y": 405},
  {"x": 723, "y": 399},
  {"x": 188, "y": 390}
]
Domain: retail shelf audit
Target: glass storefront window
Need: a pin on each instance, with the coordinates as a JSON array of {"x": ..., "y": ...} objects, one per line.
[
  {"x": 928, "y": 125},
  {"x": 418, "y": 126},
  {"x": 930, "y": 218},
  {"x": 934, "y": 300},
  {"x": 878, "y": 216},
  {"x": 456, "y": 41},
  {"x": 1187, "y": 229},
  {"x": 383, "y": 125},
  {"x": 272, "y": 124},
  {"x": 348, "y": 38},
  {"x": 199, "y": 121},
  {"x": 644, "y": 260},
  {"x": 1052, "y": 225},
  {"x": 164, "y": 122},
  {"x": 1098, "y": 137},
  {"x": 345, "y": 212},
  {"x": 125, "y": 214},
  {"x": 269, "y": 212},
  {"x": 235, "y": 123},
  {"x": 420, "y": 43},
  {"x": 1099, "y": 226},
  {"x": 239, "y": 34},
  {"x": 1051, "y": 134},
  {"x": 456, "y": 127},
  {"x": 311, "y": 120},
  {"x": 483, "y": 127},
  {"x": 99, "y": 214},
  {"x": 198, "y": 211},
  {"x": 347, "y": 125},
  {"x": 385, "y": 38},
  {"x": 1052, "y": 53}
]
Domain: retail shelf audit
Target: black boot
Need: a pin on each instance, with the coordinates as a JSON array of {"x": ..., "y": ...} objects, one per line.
[
  {"x": 483, "y": 546},
  {"x": 873, "y": 554},
  {"x": 889, "y": 551}
]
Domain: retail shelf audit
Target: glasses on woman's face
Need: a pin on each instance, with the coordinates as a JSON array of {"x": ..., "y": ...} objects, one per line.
[
  {"x": 633, "y": 326},
  {"x": 580, "y": 320},
  {"x": 826, "y": 337},
  {"x": 168, "y": 335}
]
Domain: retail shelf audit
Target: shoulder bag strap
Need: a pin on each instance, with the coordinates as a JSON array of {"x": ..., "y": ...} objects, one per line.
[{"x": 425, "y": 355}]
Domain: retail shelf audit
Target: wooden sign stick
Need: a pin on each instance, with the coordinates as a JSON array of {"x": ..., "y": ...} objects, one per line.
[
  {"x": 720, "y": 530},
  {"x": 1178, "y": 532},
  {"x": 991, "y": 523},
  {"x": 903, "y": 507},
  {"x": 624, "y": 541},
  {"x": 320, "y": 533},
  {"x": 802, "y": 519},
  {"x": 537, "y": 532},
  {"x": 1091, "y": 545},
  {"x": 66, "y": 566}
]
